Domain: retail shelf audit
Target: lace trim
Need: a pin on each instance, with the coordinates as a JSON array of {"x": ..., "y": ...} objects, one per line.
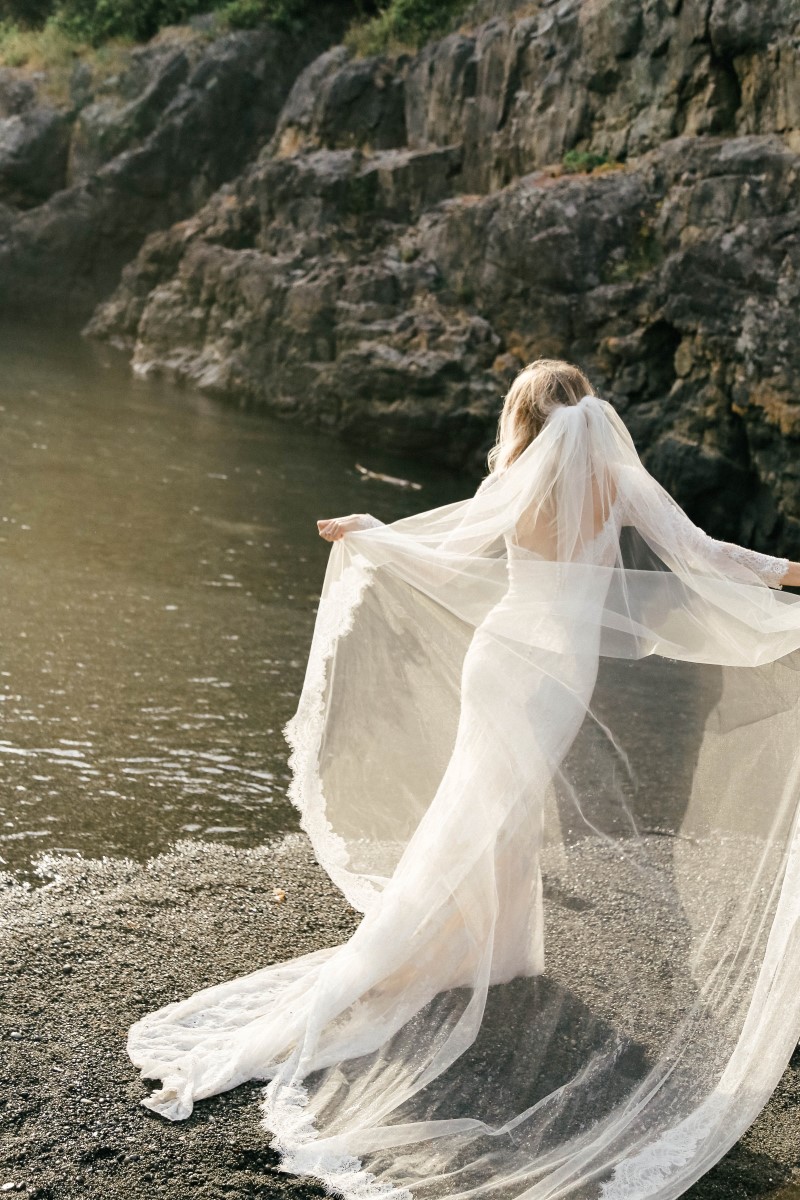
[
  {"x": 286, "y": 1116},
  {"x": 771, "y": 570},
  {"x": 305, "y": 731},
  {"x": 645, "y": 1172}
]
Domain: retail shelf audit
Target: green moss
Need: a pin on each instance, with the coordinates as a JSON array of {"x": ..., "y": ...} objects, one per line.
[
  {"x": 243, "y": 14},
  {"x": 50, "y": 36},
  {"x": 581, "y": 161},
  {"x": 403, "y": 25},
  {"x": 54, "y": 51},
  {"x": 48, "y": 48},
  {"x": 70, "y": 26},
  {"x": 82, "y": 23},
  {"x": 95, "y": 21},
  {"x": 291, "y": 15}
]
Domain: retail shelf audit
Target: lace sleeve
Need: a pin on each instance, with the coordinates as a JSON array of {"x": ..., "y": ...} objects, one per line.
[
  {"x": 770, "y": 570},
  {"x": 649, "y": 506}
]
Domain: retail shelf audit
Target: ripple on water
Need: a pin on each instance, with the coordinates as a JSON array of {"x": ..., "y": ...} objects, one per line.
[{"x": 160, "y": 575}]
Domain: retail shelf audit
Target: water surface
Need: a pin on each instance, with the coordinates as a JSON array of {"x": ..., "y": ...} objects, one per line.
[{"x": 159, "y": 574}]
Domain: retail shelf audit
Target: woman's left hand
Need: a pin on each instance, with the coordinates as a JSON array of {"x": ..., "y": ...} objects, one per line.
[{"x": 335, "y": 527}]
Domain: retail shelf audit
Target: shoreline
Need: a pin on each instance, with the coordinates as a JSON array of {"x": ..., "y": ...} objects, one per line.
[{"x": 84, "y": 956}]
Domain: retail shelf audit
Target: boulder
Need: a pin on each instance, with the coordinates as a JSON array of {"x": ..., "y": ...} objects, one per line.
[{"x": 34, "y": 145}]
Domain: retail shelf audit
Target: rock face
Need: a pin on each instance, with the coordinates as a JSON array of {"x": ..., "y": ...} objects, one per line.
[
  {"x": 408, "y": 239},
  {"x": 82, "y": 184},
  {"x": 413, "y": 229},
  {"x": 34, "y": 144}
]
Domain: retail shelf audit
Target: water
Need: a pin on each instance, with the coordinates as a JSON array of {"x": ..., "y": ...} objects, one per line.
[{"x": 159, "y": 574}]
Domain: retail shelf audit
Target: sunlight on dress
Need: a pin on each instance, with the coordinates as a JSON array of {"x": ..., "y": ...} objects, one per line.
[{"x": 547, "y": 745}]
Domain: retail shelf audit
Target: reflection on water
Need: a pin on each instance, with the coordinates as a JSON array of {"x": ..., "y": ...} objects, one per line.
[{"x": 159, "y": 574}]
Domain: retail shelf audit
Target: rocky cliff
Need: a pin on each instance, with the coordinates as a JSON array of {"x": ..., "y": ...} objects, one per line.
[
  {"x": 84, "y": 177},
  {"x": 611, "y": 181}
]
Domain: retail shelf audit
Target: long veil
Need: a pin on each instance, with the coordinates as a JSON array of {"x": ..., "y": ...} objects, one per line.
[{"x": 547, "y": 744}]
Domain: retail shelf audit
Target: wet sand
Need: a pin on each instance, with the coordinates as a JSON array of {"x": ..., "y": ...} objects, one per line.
[{"x": 108, "y": 940}]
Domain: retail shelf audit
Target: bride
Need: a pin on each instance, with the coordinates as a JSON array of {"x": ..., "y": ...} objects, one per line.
[{"x": 547, "y": 744}]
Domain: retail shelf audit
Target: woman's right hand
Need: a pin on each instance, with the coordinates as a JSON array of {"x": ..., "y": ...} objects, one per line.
[{"x": 334, "y": 528}]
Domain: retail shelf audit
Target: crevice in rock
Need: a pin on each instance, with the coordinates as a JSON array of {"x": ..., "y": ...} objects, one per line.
[
  {"x": 728, "y": 94},
  {"x": 659, "y": 343},
  {"x": 513, "y": 85}
]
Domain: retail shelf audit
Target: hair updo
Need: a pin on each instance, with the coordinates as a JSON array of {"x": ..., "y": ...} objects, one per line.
[{"x": 537, "y": 390}]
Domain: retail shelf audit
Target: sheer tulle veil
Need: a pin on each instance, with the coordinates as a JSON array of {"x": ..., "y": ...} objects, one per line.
[{"x": 547, "y": 744}]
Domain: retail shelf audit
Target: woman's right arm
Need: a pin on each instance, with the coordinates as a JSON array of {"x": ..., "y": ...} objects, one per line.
[{"x": 332, "y": 528}]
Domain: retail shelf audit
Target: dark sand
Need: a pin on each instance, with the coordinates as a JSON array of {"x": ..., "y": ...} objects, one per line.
[{"x": 82, "y": 958}]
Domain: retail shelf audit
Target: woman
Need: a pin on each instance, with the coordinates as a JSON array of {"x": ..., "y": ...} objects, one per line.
[{"x": 547, "y": 744}]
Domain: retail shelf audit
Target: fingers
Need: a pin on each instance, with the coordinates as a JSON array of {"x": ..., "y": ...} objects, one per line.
[
  {"x": 331, "y": 530},
  {"x": 335, "y": 527}
]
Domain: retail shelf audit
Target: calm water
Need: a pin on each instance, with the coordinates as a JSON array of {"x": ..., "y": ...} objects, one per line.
[{"x": 159, "y": 574}]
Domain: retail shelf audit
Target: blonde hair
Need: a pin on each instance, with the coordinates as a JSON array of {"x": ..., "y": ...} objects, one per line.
[{"x": 539, "y": 388}]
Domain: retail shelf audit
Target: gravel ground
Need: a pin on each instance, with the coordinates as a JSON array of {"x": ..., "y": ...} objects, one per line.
[{"x": 105, "y": 941}]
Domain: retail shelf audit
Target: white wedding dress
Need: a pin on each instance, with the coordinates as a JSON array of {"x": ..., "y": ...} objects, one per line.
[{"x": 548, "y": 745}]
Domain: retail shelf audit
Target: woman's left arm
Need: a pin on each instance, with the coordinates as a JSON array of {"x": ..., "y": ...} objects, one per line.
[
  {"x": 792, "y": 576},
  {"x": 771, "y": 570},
  {"x": 775, "y": 572}
]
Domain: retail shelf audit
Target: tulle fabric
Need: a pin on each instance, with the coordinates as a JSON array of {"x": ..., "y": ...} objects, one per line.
[{"x": 547, "y": 744}]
